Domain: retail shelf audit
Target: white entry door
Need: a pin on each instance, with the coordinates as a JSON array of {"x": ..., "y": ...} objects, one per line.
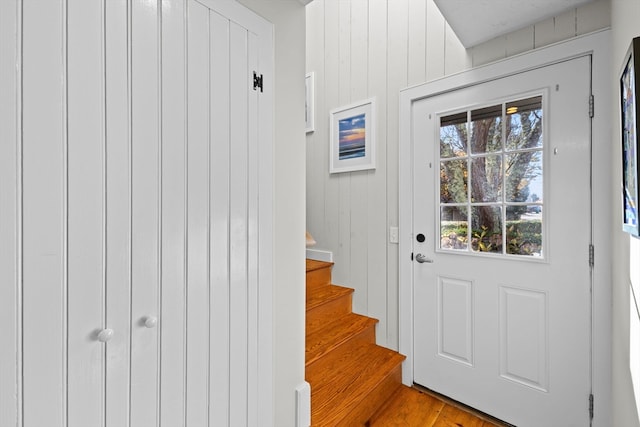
[{"x": 502, "y": 234}]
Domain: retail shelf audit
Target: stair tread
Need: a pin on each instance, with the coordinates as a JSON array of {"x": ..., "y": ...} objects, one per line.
[
  {"x": 351, "y": 377},
  {"x": 334, "y": 334},
  {"x": 340, "y": 384},
  {"x": 313, "y": 265},
  {"x": 319, "y": 296}
]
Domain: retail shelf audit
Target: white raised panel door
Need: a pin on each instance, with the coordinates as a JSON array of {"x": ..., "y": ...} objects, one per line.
[{"x": 510, "y": 335}]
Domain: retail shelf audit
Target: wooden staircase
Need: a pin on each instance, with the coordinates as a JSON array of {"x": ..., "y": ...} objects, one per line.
[{"x": 351, "y": 377}]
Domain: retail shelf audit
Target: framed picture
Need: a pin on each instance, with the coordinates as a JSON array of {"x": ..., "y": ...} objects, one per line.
[
  {"x": 352, "y": 139},
  {"x": 629, "y": 131},
  {"x": 309, "y": 88}
]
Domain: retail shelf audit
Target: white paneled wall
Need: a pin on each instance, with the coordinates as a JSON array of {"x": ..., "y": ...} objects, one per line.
[
  {"x": 10, "y": 216},
  {"x": 136, "y": 198},
  {"x": 585, "y": 19},
  {"x": 360, "y": 49},
  {"x": 374, "y": 48},
  {"x": 625, "y": 249}
]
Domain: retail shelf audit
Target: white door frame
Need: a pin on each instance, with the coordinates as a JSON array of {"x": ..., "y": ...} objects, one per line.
[{"x": 596, "y": 45}]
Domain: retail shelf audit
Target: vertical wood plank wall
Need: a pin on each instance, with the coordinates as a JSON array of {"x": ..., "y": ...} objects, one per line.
[
  {"x": 10, "y": 215},
  {"x": 374, "y": 48}
]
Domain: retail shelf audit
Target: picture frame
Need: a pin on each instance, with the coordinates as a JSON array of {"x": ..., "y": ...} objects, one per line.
[
  {"x": 352, "y": 144},
  {"x": 629, "y": 114},
  {"x": 309, "y": 102}
]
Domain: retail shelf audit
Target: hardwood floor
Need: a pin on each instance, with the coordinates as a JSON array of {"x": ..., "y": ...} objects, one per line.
[{"x": 413, "y": 408}]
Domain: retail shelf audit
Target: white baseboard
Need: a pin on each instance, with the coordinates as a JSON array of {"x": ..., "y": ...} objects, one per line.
[
  {"x": 303, "y": 405},
  {"x": 320, "y": 255}
]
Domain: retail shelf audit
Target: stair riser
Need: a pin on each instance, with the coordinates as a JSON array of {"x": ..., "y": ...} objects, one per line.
[
  {"x": 361, "y": 413},
  {"x": 319, "y": 277},
  {"x": 321, "y": 315},
  {"x": 366, "y": 336},
  {"x": 375, "y": 400}
]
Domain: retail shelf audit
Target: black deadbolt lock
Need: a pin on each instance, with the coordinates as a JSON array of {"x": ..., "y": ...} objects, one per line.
[{"x": 420, "y": 237}]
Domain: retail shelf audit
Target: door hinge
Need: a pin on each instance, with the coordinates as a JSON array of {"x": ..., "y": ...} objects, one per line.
[
  {"x": 591, "y": 106},
  {"x": 591, "y": 256},
  {"x": 591, "y": 406},
  {"x": 411, "y": 256},
  {"x": 257, "y": 81}
]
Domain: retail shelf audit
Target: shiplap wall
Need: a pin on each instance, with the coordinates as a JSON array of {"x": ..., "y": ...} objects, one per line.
[
  {"x": 374, "y": 48},
  {"x": 625, "y": 334}
]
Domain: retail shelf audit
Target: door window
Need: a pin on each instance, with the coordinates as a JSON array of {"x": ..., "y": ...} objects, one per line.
[{"x": 491, "y": 180}]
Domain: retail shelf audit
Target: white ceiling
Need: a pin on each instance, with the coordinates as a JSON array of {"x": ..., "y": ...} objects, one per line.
[{"x": 476, "y": 21}]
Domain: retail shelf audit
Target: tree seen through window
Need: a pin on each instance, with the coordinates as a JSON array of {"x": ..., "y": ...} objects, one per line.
[{"x": 491, "y": 178}]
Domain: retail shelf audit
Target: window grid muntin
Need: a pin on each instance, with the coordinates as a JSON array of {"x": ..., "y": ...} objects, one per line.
[{"x": 503, "y": 204}]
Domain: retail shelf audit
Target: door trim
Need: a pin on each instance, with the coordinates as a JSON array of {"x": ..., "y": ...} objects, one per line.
[{"x": 597, "y": 46}]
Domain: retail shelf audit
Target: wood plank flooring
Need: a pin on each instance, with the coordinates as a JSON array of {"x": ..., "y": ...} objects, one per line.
[{"x": 413, "y": 408}]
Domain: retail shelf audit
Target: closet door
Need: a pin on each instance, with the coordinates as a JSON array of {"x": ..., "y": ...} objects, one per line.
[
  {"x": 136, "y": 212},
  {"x": 60, "y": 200}
]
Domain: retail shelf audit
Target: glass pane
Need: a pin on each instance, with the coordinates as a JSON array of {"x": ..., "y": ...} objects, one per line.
[
  {"x": 524, "y": 230},
  {"x": 453, "y": 136},
  {"x": 453, "y": 181},
  {"x": 486, "y": 226},
  {"x": 523, "y": 177},
  {"x": 486, "y": 179},
  {"x": 524, "y": 124},
  {"x": 453, "y": 227},
  {"x": 486, "y": 130}
]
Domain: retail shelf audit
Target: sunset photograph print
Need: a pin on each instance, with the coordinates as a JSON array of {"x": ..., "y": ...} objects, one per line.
[{"x": 352, "y": 137}]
